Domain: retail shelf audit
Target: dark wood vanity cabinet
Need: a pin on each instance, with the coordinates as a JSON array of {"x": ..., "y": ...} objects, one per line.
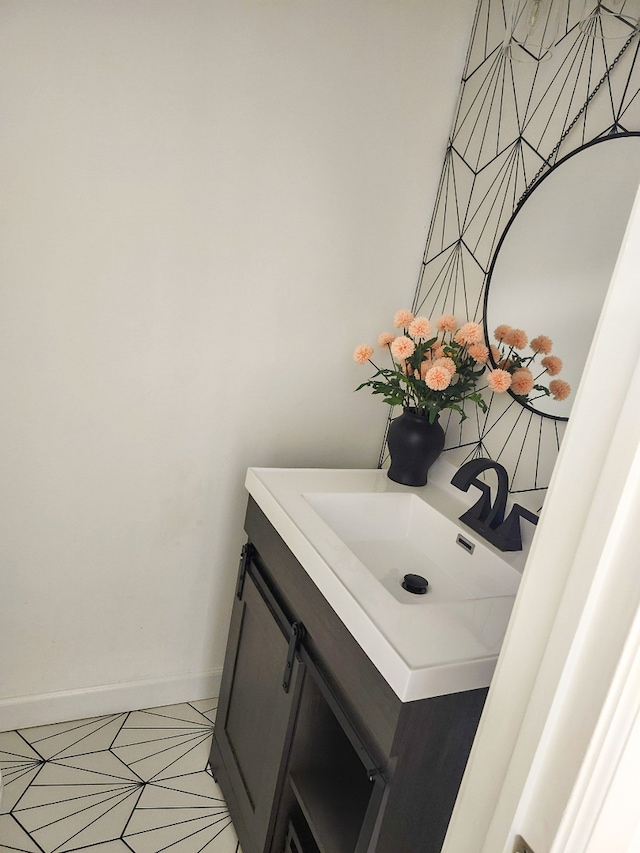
[
  {"x": 312, "y": 749},
  {"x": 255, "y": 715}
]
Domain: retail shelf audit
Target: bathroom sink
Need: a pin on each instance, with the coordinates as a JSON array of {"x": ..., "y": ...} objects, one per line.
[
  {"x": 397, "y": 534},
  {"x": 356, "y": 534}
]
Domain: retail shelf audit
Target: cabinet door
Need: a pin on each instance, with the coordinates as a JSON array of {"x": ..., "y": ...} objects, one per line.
[{"x": 255, "y": 714}]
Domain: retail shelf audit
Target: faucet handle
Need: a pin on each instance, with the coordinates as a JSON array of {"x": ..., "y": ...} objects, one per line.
[{"x": 509, "y": 531}]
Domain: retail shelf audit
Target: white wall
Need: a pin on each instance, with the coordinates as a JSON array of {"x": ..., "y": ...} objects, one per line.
[{"x": 205, "y": 206}]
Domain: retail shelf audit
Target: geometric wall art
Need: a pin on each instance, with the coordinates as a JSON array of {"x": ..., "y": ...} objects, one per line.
[{"x": 521, "y": 110}]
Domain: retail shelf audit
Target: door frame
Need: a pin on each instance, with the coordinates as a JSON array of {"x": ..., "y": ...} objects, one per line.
[{"x": 557, "y": 704}]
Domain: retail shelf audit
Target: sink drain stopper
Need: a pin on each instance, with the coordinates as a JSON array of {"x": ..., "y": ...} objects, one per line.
[{"x": 415, "y": 584}]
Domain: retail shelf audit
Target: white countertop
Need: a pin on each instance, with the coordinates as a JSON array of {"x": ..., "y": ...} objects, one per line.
[{"x": 420, "y": 651}]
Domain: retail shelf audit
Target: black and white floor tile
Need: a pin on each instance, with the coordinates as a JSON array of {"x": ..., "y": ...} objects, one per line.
[{"x": 136, "y": 782}]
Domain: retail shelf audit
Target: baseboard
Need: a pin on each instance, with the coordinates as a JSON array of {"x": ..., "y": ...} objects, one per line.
[{"x": 23, "y": 712}]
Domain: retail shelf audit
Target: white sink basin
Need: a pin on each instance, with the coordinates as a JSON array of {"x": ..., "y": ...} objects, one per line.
[
  {"x": 397, "y": 534},
  {"x": 357, "y": 534}
]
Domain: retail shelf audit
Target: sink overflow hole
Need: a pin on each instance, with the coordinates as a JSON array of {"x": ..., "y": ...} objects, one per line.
[{"x": 464, "y": 543}]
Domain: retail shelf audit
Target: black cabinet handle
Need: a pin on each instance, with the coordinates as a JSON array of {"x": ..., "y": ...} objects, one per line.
[
  {"x": 297, "y": 635},
  {"x": 245, "y": 559}
]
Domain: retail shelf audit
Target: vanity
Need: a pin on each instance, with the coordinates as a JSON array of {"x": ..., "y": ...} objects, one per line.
[{"x": 349, "y": 705}]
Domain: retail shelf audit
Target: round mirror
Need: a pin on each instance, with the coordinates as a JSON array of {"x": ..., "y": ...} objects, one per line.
[{"x": 553, "y": 265}]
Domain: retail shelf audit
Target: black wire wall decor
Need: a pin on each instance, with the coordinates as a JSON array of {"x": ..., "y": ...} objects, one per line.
[{"x": 514, "y": 121}]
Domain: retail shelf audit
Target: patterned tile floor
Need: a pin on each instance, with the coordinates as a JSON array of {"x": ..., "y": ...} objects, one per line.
[{"x": 126, "y": 783}]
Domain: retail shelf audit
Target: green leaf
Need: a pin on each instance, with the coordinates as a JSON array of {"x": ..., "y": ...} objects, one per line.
[{"x": 460, "y": 411}]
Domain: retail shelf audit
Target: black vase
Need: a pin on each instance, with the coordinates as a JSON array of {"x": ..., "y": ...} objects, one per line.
[{"x": 414, "y": 445}]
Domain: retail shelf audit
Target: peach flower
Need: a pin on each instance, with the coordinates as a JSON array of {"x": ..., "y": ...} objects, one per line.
[
  {"x": 402, "y": 319},
  {"x": 447, "y": 323},
  {"x": 420, "y": 328},
  {"x": 438, "y": 378},
  {"x": 385, "y": 339},
  {"x": 479, "y": 353},
  {"x": 560, "y": 389},
  {"x": 448, "y": 364},
  {"x": 437, "y": 352},
  {"x": 501, "y": 331},
  {"x": 542, "y": 344},
  {"x": 522, "y": 381},
  {"x": 402, "y": 347},
  {"x": 470, "y": 333},
  {"x": 516, "y": 338},
  {"x": 362, "y": 353},
  {"x": 496, "y": 355},
  {"x": 552, "y": 363},
  {"x": 426, "y": 365},
  {"x": 499, "y": 381}
]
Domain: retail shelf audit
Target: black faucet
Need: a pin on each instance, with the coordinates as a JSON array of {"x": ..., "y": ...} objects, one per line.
[{"x": 485, "y": 517}]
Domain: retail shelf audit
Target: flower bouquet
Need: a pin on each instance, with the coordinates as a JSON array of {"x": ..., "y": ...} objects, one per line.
[
  {"x": 431, "y": 370},
  {"x": 436, "y": 369},
  {"x": 516, "y": 371}
]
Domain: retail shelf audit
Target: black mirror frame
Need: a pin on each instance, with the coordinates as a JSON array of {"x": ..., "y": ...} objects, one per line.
[{"x": 503, "y": 236}]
